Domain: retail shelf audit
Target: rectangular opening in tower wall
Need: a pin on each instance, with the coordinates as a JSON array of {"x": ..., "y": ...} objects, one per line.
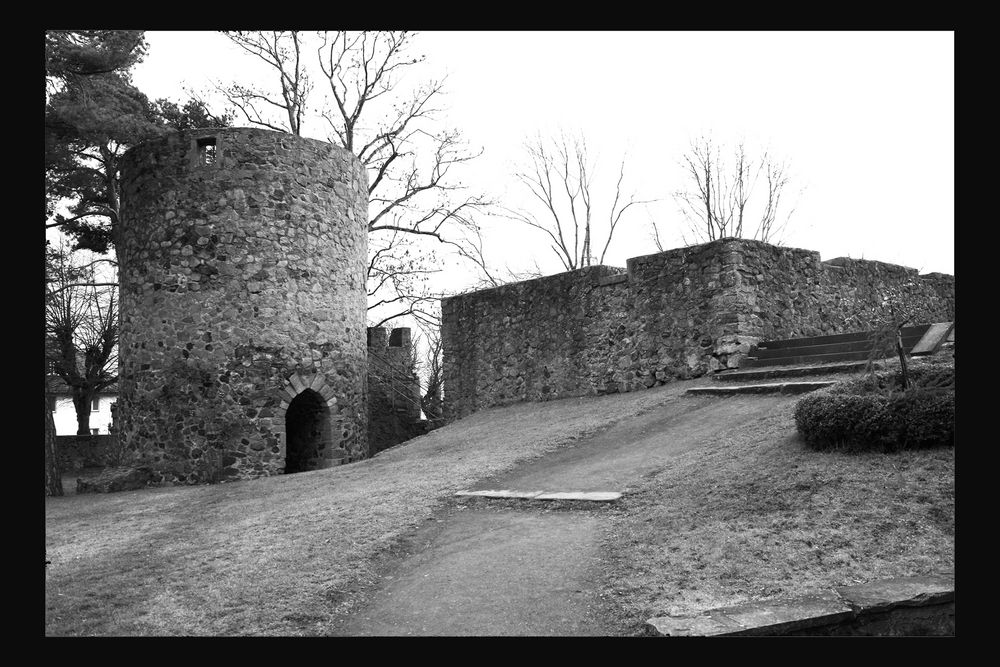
[
  {"x": 206, "y": 150},
  {"x": 399, "y": 337}
]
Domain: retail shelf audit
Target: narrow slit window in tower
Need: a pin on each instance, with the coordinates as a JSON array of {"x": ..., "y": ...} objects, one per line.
[{"x": 206, "y": 150}]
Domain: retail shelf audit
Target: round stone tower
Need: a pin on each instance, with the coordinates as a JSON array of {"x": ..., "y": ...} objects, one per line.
[{"x": 242, "y": 262}]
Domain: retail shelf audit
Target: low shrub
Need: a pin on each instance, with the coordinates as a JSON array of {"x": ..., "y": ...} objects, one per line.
[
  {"x": 932, "y": 376},
  {"x": 918, "y": 418},
  {"x": 923, "y": 376}
]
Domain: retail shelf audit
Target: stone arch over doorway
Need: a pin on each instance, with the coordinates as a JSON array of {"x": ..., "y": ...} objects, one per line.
[{"x": 309, "y": 419}]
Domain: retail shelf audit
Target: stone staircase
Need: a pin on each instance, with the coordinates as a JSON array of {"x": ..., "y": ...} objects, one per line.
[
  {"x": 838, "y": 348},
  {"x": 779, "y": 360}
]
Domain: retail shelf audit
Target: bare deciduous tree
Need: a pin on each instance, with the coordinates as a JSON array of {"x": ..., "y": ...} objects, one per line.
[
  {"x": 81, "y": 330},
  {"x": 719, "y": 200},
  {"x": 432, "y": 400},
  {"x": 280, "y": 50},
  {"x": 885, "y": 311},
  {"x": 398, "y": 273},
  {"x": 473, "y": 249},
  {"x": 412, "y": 195},
  {"x": 560, "y": 178}
]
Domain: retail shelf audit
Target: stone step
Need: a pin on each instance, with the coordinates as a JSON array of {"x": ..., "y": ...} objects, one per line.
[
  {"x": 917, "y": 330},
  {"x": 803, "y": 359},
  {"x": 827, "y": 348},
  {"x": 770, "y": 372},
  {"x": 768, "y": 388},
  {"x": 841, "y": 347}
]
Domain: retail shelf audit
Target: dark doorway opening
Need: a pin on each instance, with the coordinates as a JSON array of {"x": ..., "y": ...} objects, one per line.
[{"x": 307, "y": 429}]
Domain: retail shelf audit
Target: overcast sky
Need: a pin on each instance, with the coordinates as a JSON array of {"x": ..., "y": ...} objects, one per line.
[{"x": 864, "y": 119}]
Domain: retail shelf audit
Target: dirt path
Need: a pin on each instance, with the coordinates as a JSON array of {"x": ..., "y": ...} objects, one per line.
[
  {"x": 616, "y": 457},
  {"x": 527, "y": 571},
  {"x": 499, "y": 573}
]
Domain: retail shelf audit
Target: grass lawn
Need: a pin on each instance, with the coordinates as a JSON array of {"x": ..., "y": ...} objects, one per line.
[
  {"x": 757, "y": 516},
  {"x": 754, "y": 515},
  {"x": 282, "y": 555}
]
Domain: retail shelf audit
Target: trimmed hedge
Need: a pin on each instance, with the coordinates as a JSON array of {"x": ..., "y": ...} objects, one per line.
[
  {"x": 926, "y": 376},
  {"x": 872, "y": 413}
]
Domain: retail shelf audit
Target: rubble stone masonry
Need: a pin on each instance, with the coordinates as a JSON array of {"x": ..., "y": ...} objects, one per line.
[
  {"x": 672, "y": 315},
  {"x": 242, "y": 264}
]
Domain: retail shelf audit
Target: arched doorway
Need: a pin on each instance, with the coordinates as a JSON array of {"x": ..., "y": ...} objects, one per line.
[{"x": 307, "y": 431}]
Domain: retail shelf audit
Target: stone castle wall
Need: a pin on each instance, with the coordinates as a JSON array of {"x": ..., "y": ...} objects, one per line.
[
  {"x": 672, "y": 315},
  {"x": 242, "y": 265},
  {"x": 789, "y": 293}
]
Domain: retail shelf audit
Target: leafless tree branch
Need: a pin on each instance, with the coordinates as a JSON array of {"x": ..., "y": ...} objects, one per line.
[
  {"x": 562, "y": 181},
  {"x": 281, "y": 50},
  {"x": 719, "y": 197}
]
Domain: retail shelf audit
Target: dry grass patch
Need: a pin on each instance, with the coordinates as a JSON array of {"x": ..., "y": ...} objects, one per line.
[
  {"x": 758, "y": 516},
  {"x": 282, "y": 555}
]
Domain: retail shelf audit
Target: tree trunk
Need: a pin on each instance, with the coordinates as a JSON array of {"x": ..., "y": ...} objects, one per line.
[
  {"x": 902, "y": 357},
  {"x": 81, "y": 402},
  {"x": 53, "y": 478}
]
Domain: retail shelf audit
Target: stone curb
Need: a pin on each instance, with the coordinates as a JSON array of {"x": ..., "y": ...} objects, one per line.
[
  {"x": 820, "y": 613},
  {"x": 770, "y": 388},
  {"x": 595, "y": 496}
]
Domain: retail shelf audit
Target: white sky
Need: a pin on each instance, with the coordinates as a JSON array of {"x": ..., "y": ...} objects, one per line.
[{"x": 865, "y": 119}]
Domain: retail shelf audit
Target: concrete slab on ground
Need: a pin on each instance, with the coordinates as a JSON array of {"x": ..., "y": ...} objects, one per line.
[
  {"x": 922, "y": 605},
  {"x": 773, "y": 617},
  {"x": 594, "y": 496},
  {"x": 501, "y": 493},
  {"x": 886, "y": 594}
]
